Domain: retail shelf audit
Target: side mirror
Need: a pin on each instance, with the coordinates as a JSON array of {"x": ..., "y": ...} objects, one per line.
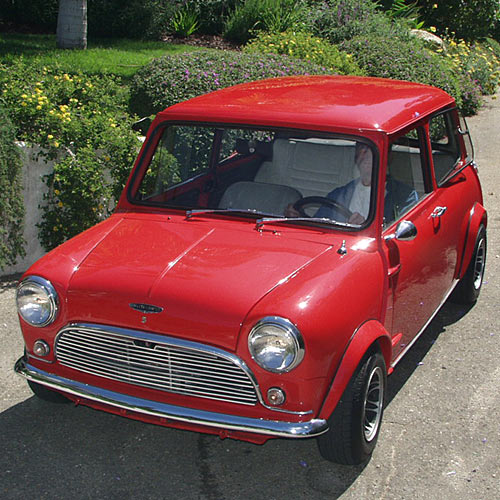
[{"x": 405, "y": 231}]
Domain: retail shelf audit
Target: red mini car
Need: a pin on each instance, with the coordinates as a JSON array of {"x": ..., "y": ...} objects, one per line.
[{"x": 278, "y": 248}]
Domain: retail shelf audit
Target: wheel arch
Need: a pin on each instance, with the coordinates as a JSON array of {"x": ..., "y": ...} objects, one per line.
[
  {"x": 370, "y": 337},
  {"x": 475, "y": 218}
]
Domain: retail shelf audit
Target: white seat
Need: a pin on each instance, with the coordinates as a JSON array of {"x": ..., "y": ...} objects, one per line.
[{"x": 312, "y": 166}]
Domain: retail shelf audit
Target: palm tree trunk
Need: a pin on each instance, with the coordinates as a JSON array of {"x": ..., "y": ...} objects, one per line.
[{"x": 72, "y": 24}]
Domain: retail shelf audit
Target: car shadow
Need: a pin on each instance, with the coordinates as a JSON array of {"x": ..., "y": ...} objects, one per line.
[
  {"x": 9, "y": 281},
  {"x": 62, "y": 451},
  {"x": 449, "y": 314}
]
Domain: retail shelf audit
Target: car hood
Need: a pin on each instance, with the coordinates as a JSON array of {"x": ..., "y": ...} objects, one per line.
[{"x": 204, "y": 275}]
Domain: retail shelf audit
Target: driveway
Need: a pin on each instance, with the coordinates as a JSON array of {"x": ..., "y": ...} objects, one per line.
[{"x": 440, "y": 438}]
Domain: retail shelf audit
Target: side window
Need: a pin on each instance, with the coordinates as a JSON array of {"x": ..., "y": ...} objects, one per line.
[
  {"x": 445, "y": 145},
  {"x": 405, "y": 183}
]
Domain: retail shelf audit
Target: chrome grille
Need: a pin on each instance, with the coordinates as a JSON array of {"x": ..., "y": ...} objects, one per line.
[{"x": 157, "y": 362}]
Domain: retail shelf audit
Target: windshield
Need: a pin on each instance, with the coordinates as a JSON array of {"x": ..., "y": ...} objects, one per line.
[{"x": 293, "y": 175}]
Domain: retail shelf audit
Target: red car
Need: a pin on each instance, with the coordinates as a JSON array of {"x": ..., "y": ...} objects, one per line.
[{"x": 279, "y": 246}]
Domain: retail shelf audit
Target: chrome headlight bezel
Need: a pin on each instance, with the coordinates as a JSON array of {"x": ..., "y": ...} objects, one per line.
[
  {"x": 274, "y": 328},
  {"x": 48, "y": 311}
]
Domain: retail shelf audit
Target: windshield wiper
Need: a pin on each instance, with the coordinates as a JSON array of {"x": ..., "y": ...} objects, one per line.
[
  {"x": 322, "y": 220},
  {"x": 229, "y": 211}
]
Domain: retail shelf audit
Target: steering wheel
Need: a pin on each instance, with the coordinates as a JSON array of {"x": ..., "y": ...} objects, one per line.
[{"x": 299, "y": 205}]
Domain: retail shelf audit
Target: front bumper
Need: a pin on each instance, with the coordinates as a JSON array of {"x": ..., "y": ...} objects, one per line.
[{"x": 276, "y": 428}]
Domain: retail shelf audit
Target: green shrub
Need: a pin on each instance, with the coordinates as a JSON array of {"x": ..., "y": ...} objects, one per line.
[
  {"x": 132, "y": 19},
  {"x": 339, "y": 20},
  {"x": 212, "y": 14},
  {"x": 405, "y": 59},
  {"x": 470, "y": 93},
  {"x": 263, "y": 15},
  {"x": 305, "y": 46},
  {"x": 468, "y": 20},
  {"x": 171, "y": 79},
  {"x": 476, "y": 60},
  {"x": 11, "y": 197},
  {"x": 493, "y": 45},
  {"x": 106, "y": 18},
  {"x": 83, "y": 123},
  {"x": 38, "y": 15}
]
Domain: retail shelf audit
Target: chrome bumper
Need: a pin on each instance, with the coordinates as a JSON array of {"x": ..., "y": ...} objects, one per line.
[{"x": 276, "y": 428}]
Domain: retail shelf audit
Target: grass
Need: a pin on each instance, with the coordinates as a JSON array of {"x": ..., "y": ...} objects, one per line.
[{"x": 103, "y": 56}]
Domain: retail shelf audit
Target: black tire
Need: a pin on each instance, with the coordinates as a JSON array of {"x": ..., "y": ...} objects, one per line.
[
  {"x": 469, "y": 287},
  {"x": 47, "y": 394},
  {"x": 355, "y": 423}
]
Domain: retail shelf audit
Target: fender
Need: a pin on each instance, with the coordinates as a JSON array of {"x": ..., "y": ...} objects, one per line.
[
  {"x": 363, "y": 338},
  {"x": 476, "y": 217}
]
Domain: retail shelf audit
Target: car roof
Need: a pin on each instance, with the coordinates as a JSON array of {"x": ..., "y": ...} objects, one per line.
[{"x": 335, "y": 103}]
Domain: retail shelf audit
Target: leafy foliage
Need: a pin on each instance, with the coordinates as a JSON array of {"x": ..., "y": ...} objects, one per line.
[
  {"x": 11, "y": 202},
  {"x": 340, "y": 20},
  {"x": 171, "y": 79},
  {"x": 212, "y": 14},
  {"x": 409, "y": 12},
  {"x": 83, "y": 123},
  {"x": 405, "y": 59},
  {"x": 185, "y": 21},
  {"x": 476, "y": 60},
  {"x": 465, "y": 19},
  {"x": 305, "y": 46},
  {"x": 263, "y": 15}
]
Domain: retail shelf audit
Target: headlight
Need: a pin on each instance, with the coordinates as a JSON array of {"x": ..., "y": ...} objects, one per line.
[
  {"x": 276, "y": 344},
  {"x": 37, "y": 301}
]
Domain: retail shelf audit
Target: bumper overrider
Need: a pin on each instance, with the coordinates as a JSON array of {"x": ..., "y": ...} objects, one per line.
[{"x": 310, "y": 428}]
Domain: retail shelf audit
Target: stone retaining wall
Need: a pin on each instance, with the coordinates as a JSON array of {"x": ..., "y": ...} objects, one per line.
[{"x": 34, "y": 169}]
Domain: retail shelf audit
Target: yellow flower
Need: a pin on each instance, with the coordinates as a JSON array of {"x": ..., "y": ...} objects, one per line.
[
  {"x": 107, "y": 158},
  {"x": 24, "y": 104},
  {"x": 435, "y": 6},
  {"x": 50, "y": 137},
  {"x": 39, "y": 107},
  {"x": 56, "y": 144},
  {"x": 55, "y": 228},
  {"x": 113, "y": 125},
  {"x": 57, "y": 192},
  {"x": 60, "y": 204},
  {"x": 432, "y": 29}
]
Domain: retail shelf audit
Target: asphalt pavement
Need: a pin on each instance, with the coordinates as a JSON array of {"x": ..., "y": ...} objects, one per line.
[{"x": 440, "y": 437}]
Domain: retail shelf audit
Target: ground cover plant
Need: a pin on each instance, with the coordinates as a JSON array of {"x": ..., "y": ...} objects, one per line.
[{"x": 171, "y": 79}]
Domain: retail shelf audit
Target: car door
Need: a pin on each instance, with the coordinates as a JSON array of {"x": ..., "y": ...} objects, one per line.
[{"x": 422, "y": 269}]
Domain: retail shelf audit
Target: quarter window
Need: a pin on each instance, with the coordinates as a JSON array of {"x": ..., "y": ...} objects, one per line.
[{"x": 445, "y": 145}]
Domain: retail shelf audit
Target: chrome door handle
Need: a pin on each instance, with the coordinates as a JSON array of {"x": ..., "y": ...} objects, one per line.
[{"x": 439, "y": 211}]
